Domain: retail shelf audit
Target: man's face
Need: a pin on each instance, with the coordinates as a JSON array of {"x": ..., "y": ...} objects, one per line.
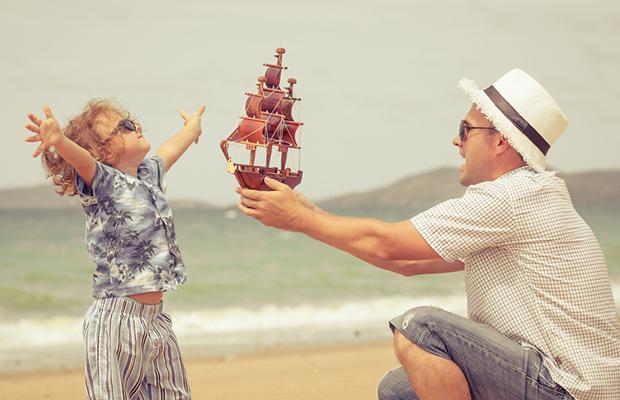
[{"x": 477, "y": 148}]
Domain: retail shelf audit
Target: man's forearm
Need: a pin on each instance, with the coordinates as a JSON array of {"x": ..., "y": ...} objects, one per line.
[
  {"x": 416, "y": 267},
  {"x": 366, "y": 238}
]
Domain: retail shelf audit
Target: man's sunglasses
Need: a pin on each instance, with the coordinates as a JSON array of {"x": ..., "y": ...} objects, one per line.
[
  {"x": 463, "y": 128},
  {"x": 126, "y": 125}
]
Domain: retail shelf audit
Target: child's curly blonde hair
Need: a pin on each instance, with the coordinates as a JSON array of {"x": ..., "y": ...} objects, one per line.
[{"x": 90, "y": 131}]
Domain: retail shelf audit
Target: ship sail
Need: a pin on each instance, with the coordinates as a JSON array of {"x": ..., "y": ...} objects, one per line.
[{"x": 268, "y": 123}]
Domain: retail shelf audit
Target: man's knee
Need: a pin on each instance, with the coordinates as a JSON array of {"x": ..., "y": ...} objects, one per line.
[
  {"x": 395, "y": 386},
  {"x": 424, "y": 316},
  {"x": 385, "y": 390},
  {"x": 414, "y": 325},
  {"x": 415, "y": 334}
]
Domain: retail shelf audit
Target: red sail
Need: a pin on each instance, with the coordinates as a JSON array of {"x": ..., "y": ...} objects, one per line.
[
  {"x": 272, "y": 75},
  {"x": 250, "y": 130},
  {"x": 273, "y": 99},
  {"x": 288, "y": 133},
  {"x": 252, "y": 104},
  {"x": 273, "y": 125},
  {"x": 286, "y": 105}
]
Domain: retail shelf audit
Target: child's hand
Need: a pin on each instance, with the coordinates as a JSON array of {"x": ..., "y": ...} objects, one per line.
[
  {"x": 193, "y": 122},
  {"x": 46, "y": 131}
]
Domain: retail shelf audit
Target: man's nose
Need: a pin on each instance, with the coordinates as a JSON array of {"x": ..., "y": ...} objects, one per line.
[{"x": 456, "y": 141}]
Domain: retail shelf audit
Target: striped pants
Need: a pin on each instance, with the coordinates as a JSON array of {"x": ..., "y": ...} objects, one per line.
[{"x": 131, "y": 352}]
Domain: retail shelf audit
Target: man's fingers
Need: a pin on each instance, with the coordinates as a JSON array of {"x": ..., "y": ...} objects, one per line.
[
  {"x": 250, "y": 203},
  {"x": 35, "y": 120},
  {"x": 251, "y": 194},
  {"x": 274, "y": 184},
  {"x": 32, "y": 128},
  {"x": 247, "y": 211},
  {"x": 48, "y": 112}
]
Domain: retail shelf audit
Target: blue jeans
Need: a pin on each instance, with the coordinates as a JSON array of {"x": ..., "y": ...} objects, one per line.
[{"x": 495, "y": 367}]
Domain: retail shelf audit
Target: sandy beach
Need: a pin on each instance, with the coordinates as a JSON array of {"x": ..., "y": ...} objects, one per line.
[{"x": 345, "y": 372}]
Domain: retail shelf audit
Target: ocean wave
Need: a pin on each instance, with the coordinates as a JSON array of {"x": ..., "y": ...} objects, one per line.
[
  {"x": 256, "y": 328},
  {"x": 241, "y": 325}
]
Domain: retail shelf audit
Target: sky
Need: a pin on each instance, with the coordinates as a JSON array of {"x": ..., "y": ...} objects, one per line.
[{"x": 377, "y": 78}]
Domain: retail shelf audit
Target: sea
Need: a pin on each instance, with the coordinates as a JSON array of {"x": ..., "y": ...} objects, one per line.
[{"x": 249, "y": 289}]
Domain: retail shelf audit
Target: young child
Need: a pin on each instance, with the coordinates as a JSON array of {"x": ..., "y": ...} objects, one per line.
[{"x": 131, "y": 350}]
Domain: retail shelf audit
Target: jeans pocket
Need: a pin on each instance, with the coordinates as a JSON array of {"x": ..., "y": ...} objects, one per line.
[{"x": 549, "y": 386}]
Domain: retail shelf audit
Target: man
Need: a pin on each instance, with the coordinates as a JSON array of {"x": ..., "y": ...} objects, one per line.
[{"x": 541, "y": 320}]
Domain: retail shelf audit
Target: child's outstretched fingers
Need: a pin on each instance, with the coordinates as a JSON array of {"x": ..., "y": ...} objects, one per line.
[
  {"x": 184, "y": 115},
  {"x": 35, "y": 120},
  {"x": 201, "y": 110},
  {"x": 42, "y": 147},
  {"x": 47, "y": 131},
  {"x": 33, "y": 127},
  {"x": 33, "y": 138},
  {"x": 198, "y": 115},
  {"x": 48, "y": 112}
]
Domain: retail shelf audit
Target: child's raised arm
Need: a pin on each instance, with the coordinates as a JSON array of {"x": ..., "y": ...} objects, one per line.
[
  {"x": 173, "y": 148},
  {"x": 48, "y": 132}
]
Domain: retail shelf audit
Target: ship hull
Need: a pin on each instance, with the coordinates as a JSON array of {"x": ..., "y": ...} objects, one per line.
[{"x": 252, "y": 177}]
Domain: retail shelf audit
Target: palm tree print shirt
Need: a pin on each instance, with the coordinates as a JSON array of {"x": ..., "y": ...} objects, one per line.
[{"x": 130, "y": 231}]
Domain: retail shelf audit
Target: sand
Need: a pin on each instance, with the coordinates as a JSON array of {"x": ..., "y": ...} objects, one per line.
[{"x": 320, "y": 373}]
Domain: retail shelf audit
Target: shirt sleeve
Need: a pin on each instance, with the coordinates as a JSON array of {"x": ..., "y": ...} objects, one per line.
[
  {"x": 482, "y": 218},
  {"x": 155, "y": 167},
  {"x": 101, "y": 180}
]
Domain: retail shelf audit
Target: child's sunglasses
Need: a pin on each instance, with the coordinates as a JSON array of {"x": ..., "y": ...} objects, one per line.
[{"x": 126, "y": 125}]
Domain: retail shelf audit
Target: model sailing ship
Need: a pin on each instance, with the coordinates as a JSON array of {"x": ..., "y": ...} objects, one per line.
[{"x": 268, "y": 124}]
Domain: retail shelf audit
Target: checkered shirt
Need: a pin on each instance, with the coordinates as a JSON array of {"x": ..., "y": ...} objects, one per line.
[{"x": 534, "y": 272}]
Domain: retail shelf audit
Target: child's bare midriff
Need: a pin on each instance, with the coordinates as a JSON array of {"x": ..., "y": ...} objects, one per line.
[{"x": 148, "y": 297}]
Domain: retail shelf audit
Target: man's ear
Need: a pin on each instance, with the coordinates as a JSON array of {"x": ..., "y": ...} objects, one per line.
[{"x": 501, "y": 144}]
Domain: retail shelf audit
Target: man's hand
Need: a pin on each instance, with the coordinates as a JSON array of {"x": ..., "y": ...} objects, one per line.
[
  {"x": 193, "y": 122},
  {"x": 46, "y": 131},
  {"x": 309, "y": 204},
  {"x": 281, "y": 208}
]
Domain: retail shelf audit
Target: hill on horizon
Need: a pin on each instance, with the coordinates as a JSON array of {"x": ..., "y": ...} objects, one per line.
[
  {"x": 43, "y": 197},
  {"x": 589, "y": 190}
]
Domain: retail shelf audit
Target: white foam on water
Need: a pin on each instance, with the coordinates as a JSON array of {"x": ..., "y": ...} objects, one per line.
[
  {"x": 253, "y": 328},
  {"x": 238, "y": 324}
]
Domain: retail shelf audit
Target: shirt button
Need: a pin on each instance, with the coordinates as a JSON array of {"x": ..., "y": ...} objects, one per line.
[{"x": 558, "y": 360}]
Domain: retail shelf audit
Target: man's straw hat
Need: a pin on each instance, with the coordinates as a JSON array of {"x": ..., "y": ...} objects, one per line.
[{"x": 522, "y": 111}]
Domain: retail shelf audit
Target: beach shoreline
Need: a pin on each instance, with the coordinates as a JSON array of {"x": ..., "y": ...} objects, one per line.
[{"x": 342, "y": 372}]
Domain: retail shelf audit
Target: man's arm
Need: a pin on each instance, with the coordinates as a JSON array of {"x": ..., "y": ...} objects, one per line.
[
  {"x": 48, "y": 132},
  {"x": 173, "y": 148},
  {"x": 402, "y": 267},
  {"x": 417, "y": 267},
  {"x": 368, "y": 239}
]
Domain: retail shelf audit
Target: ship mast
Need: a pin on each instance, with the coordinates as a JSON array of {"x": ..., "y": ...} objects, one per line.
[{"x": 268, "y": 121}]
